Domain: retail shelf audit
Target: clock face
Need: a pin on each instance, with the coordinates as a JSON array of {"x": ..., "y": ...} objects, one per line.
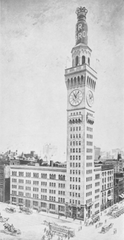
[
  {"x": 90, "y": 98},
  {"x": 75, "y": 97}
]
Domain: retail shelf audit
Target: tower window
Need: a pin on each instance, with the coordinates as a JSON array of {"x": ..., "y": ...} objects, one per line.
[
  {"x": 77, "y": 60},
  {"x": 83, "y": 60},
  {"x": 89, "y": 61}
]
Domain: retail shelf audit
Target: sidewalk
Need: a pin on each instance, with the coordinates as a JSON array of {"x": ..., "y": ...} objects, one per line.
[{"x": 62, "y": 218}]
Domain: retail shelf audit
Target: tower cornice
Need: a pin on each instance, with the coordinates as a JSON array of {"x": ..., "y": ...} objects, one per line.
[{"x": 81, "y": 46}]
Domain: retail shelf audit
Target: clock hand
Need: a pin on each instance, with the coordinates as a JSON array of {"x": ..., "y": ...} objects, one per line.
[{"x": 77, "y": 93}]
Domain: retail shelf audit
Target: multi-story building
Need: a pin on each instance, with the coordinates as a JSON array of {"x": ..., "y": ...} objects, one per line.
[
  {"x": 38, "y": 187},
  {"x": 80, "y": 81},
  {"x": 81, "y": 188},
  {"x": 107, "y": 187},
  {"x": 117, "y": 163},
  {"x": 118, "y": 186},
  {"x": 4, "y": 183},
  {"x": 97, "y": 153}
]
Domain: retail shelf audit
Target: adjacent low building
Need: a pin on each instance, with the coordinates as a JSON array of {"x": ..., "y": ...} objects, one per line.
[
  {"x": 38, "y": 187},
  {"x": 118, "y": 187},
  {"x": 4, "y": 183}
]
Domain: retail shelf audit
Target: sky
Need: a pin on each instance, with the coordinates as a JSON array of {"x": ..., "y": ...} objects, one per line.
[{"x": 36, "y": 38}]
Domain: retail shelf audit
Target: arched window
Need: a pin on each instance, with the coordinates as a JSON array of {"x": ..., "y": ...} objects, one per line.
[
  {"x": 75, "y": 81},
  {"x": 78, "y": 80},
  {"x": 89, "y": 61},
  {"x": 71, "y": 81},
  {"x": 83, "y": 60},
  {"x": 82, "y": 79},
  {"x": 68, "y": 82},
  {"x": 87, "y": 80},
  {"x": 77, "y": 60},
  {"x": 73, "y": 63}
]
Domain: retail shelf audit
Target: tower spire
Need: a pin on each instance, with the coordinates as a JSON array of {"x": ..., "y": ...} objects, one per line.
[{"x": 81, "y": 26}]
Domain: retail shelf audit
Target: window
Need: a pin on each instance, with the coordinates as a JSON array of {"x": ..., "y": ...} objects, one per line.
[
  {"x": 88, "y": 157},
  {"x": 61, "y": 208},
  {"x": 83, "y": 60},
  {"x": 28, "y": 188},
  {"x": 97, "y": 176},
  {"x": 35, "y": 182},
  {"x": 43, "y": 197},
  {"x": 20, "y": 193},
  {"x": 43, "y": 204},
  {"x": 28, "y": 174},
  {"x": 52, "y": 176},
  {"x": 21, "y": 187},
  {"x": 14, "y": 192},
  {"x": 21, "y": 181},
  {"x": 51, "y": 198},
  {"x": 45, "y": 190},
  {"x": 89, "y": 136},
  {"x": 35, "y": 189},
  {"x": 43, "y": 175},
  {"x": 14, "y": 173},
  {"x": 89, "y": 150},
  {"x": 88, "y": 179},
  {"x": 76, "y": 61},
  {"x": 89, "y": 186},
  {"x": 89, "y": 129},
  {"x": 88, "y": 171},
  {"x": 28, "y": 195},
  {"x": 97, "y": 190},
  {"x": 61, "y": 177},
  {"x": 97, "y": 196},
  {"x": 35, "y": 203},
  {"x": 97, "y": 184},
  {"x": 13, "y": 199},
  {"x": 88, "y": 164},
  {"x": 88, "y": 194},
  {"x": 88, "y": 200},
  {"x": 96, "y": 205},
  {"x": 52, "y": 206},
  {"x": 20, "y": 200},
  {"x": 28, "y": 181},
  {"x": 89, "y": 61},
  {"x": 89, "y": 143},
  {"x": 36, "y": 175},
  {"x": 14, "y": 186},
  {"x": 21, "y": 174},
  {"x": 14, "y": 180},
  {"x": 35, "y": 196}
]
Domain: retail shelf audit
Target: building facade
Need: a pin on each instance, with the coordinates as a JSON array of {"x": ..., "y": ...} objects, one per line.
[
  {"x": 38, "y": 187},
  {"x": 4, "y": 183},
  {"x": 80, "y": 81},
  {"x": 107, "y": 187},
  {"x": 81, "y": 188},
  {"x": 118, "y": 186}
]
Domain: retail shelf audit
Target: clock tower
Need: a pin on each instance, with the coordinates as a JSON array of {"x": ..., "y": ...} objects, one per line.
[{"x": 80, "y": 81}]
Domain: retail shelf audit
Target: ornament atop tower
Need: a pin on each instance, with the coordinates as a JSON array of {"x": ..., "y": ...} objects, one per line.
[{"x": 81, "y": 26}]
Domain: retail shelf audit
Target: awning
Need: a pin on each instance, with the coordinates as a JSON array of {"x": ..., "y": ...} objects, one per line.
[{"x": 110, "y": 198}]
